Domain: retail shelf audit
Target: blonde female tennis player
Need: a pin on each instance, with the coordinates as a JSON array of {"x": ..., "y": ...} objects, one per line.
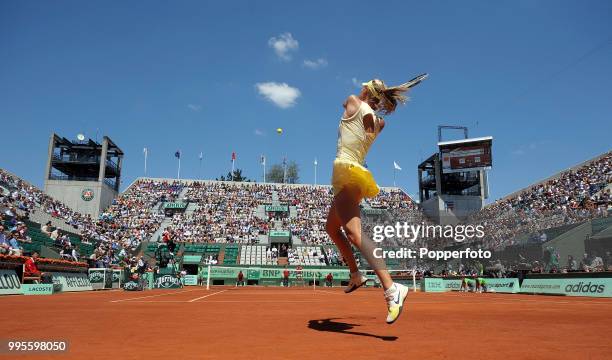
[{"x": 351, "y": 181}]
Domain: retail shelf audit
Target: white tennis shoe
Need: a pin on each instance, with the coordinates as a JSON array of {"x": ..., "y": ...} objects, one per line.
[{"x": 395, "y": 297}]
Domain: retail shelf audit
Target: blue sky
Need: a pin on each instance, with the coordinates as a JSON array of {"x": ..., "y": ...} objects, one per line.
[{"x": 209, "y": 76}]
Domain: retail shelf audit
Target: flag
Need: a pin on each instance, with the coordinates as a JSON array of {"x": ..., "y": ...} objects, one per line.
[
  {"x": 233, "y": 156},
  {"x": 315, "y": 162},
  {"x": 396, "y": 167},
  {"x": 263, "y": 160},
  {"x": 177, "y": 154},
  {"x": 201, "y": 156}
]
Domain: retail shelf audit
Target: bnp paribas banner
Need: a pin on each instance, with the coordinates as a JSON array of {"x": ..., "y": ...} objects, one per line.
[
  {"x": 433, "y": 285},
  {"x": 72, "y": 281},
  {"x": 272, "y": 273},
  {"x": 9, "y": 282},
  {"x": 596, "y": 287}
]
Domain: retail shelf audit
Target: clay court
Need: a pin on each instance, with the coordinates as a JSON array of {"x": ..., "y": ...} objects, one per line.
[{"x": 301, "y": 323}]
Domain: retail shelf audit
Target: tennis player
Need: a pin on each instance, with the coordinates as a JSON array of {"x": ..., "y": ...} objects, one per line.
[{"x": 351, "y": 182}]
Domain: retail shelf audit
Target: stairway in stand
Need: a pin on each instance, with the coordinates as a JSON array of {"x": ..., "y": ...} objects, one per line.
[{"x": 221, "y": 256}]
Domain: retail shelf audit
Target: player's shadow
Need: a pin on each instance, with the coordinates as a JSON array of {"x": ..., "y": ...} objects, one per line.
[{"x": 344, "y": 328}]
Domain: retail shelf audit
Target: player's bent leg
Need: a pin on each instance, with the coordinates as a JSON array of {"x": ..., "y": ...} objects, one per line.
[
  {"x": 357, "y": 280},
  {"x": 333, "y": 228}
]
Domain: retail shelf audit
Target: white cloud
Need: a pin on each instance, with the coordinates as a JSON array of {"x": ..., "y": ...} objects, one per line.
[
  {"x": 356, "y": 83},
  {"x": 259, "y": 132},
  {"x": 194, "y": 107},
  {"x": 281, "y": 94},
  {"x": 315, "y": 64},
  {"x": 527, "y": 148},
  {"x": 283, "y": 45}
]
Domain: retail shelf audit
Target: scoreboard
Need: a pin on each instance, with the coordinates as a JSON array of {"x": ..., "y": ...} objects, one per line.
[{"x": 466, "y": 155}]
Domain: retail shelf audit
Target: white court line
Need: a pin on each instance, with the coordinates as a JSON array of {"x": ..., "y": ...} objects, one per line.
[
  {"x": 150, "y": 296},
  {"x": 226, "y": 301},
  {"x": 205, "y": 296},
  {"x": 507, "y": 301},
  {"x": 330, "y": 292},
  {"x": 263, "y": 301}
]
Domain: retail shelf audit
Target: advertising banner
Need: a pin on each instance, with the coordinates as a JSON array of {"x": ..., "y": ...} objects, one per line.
[
  {"x": 503, "y": 285},
  {"x": 272, "y": 273},
  {"x": 101, "y": 278},
  {"x": 134, "y": 285},
  {"x": 307, "y": 274},
  {"x": 9, "y": 282},
  {"x": 592, "y": 287},
  {"x": 167, "y": 282},
  {"x": 72, "y": 281},
  {"x": 117, "y": 278},
  {"x": 191, "y": 280},
  {"x": 37, "y": 289},
  {"x": 276, "y": 208},
  {"x": 433, "y": 285},
  {"x": 452, "y": 284},
  {"x": 280, "y": 233}
]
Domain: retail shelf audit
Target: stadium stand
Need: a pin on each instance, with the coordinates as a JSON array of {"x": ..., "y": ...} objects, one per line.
[
  {"x": 568, "y": 198},
  {"x": 233, "y": 222}
]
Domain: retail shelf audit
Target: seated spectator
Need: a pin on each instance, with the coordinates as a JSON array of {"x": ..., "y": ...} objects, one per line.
[
  {"x": 31, "y": 270},
  {"x": 65, "y": 253},
  {"x": 11, "y": 212},
  {"x": 571, "y": 263},
  {"x": 14, "y": 248},
  {"x": 47, "y": 229},
  {"x": 4, "y": 244}
]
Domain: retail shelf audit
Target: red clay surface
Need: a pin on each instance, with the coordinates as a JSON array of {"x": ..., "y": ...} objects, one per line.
[{"x": 301, "y": 323}]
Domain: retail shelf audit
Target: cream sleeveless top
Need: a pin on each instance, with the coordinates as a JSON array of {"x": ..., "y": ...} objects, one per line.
[{"x": 353, "y": 140}]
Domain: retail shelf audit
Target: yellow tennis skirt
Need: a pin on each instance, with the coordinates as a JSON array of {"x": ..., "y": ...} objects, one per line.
[{"x": 347, "y": 172}]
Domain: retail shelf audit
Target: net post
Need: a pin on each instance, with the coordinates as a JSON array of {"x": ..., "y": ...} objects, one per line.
[
  {"x": 208, "y": 277},
  {"x": 314, "y": 281},
  {"x": 414, "y": 289}
]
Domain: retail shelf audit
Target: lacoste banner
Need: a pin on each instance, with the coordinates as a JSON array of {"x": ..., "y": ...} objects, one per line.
[
  {"x": 595, "y": 287},
  {"x": 9, "y": 282},
  {"x": 167, "y": 282},
  {"x": 37, "y": 289},
  {"x": 72, "y": 281}
]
